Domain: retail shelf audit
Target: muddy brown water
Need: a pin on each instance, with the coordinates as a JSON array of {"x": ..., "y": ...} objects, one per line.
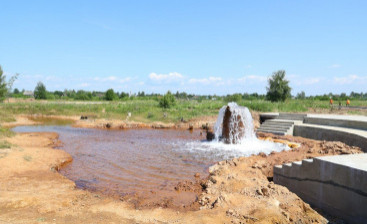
[{"x": 145, "y": 164}]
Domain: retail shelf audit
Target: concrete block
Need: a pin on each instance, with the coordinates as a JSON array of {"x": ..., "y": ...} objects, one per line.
[{"x": 336, "y": 184}]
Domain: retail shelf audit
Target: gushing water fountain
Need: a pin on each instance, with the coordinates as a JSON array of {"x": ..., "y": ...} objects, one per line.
[{"x": 234, "y": 124}]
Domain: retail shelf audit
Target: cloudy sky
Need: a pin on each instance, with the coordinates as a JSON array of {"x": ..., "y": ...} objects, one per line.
[{"x": 204, "y": 47}]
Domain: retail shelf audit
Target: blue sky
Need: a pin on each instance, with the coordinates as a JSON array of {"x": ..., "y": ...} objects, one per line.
[{"x": 204, "y": 47}]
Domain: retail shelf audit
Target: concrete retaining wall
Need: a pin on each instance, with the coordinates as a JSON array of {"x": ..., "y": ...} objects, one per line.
[
  {"x": 338, "y": 121},
  {"x": 349, "y": 137},
  {"x": 336, "y": 184}
]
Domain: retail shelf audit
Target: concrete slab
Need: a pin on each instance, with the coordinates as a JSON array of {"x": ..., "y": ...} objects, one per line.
[
  {"x": 347, "y": 121},
  {"x": 270, "y": 114},
  {"x": 350, "y": 136},
  {"x": 336, "y": 184},
  {"x": 356, "y": 161},
  {"x": 339, "y": 117},
  {"x": 343, "y": 129}
]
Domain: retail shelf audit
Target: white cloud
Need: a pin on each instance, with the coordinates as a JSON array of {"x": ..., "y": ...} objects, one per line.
[
  {"x": 311, "y": 81},
  {"x": 335, "y": 66},
  {"x": 206, "y": 81},
  {"x": 256, "y": 78},
  {"x": 127, "y": 79},
  {"x": 300, "y": 80},
  {"x": 53, "y": 78},
  {"x": 166, "y": 78},
  {"x": 112, "y": 79},
  {"x": 350, "y": 79},
  {"x": 84, "y": 84}
]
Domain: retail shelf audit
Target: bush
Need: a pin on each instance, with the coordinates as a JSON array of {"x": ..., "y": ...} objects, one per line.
[
  {"x": 233, "y": 98},
  {"x": 110, "y": 95},
  {"x": 278, "y": 89},
  {"x": 301, "y": 95},
  {"x": 83, "y": 95},
  {"x": 167, "y": 101},
  {"x": 40, "y": 91},
  {"x": 124, "y": 95}
]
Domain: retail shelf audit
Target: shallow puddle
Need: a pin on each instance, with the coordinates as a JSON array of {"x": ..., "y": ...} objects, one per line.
[
  {"x": 146, "y": 163},
  {"x": 142, "y": 165}
]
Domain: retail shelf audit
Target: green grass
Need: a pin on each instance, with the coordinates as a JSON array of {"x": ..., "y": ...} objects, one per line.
[
  {"x": 4, "y": 132},
  {"x": 4, "y": 148},
  {"x": 149, "y": 110},
  {"x": 4, "y": 144},
  {"x": 5, "y": 116}
]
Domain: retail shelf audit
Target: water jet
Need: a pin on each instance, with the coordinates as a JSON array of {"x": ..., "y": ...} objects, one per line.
[{"x": 234, "y": 123}]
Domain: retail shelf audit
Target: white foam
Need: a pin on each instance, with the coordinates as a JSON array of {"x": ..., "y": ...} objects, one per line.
[
  {"x": 247, "y": 145},
  {"x": 246, "y": 148}
]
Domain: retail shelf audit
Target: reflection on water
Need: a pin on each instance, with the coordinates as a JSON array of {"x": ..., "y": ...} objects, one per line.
[
  {"x": 144, "y": 162},
  {"x": 50, "y": 121}
]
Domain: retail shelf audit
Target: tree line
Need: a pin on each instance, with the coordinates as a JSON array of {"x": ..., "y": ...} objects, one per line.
[{"x": 278, "y": 89}]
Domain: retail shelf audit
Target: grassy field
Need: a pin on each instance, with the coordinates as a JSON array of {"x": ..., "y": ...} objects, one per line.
[{"x": 149, "y": 110}]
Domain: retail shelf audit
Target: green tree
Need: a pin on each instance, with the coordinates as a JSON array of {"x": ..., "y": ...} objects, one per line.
[
  {"x": 110, "y": 95},
  {"x": 3, "y": 86},
  {"x": 301, "y": 95},
  {"x": 40, "y": 91},
  {"x": 16, "y": 91},
  {"x": 278, "y": 87},
  {"x": 233, "y": 98},
  {"x": 124, "y": 95},
  {"x": 167, "y": 101},
  {"x": 59, "y": 94},
  {"x": 83, "y": 95}
]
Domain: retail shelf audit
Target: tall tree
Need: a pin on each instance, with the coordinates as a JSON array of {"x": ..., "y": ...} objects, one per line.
[
  {"x": 278, "y": 87},
  {"x": 40, "y": 91},
  {"x": 3, "y": 86}
]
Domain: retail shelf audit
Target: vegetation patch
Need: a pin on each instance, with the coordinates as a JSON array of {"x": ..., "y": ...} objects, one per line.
[
  {"x": 5, "y": 132},
  {"x": 5, "y": 145},
  {"x": 27, "y": 158}
]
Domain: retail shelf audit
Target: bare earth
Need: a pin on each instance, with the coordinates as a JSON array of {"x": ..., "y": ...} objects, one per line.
[{"x": 236, "y": 191}]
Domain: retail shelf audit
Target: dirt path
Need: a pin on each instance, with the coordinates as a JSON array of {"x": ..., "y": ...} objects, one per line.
[{"x": 237, "y": 191}]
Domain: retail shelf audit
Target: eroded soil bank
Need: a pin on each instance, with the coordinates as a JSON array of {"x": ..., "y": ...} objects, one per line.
[{"x": 236, "y": 191}]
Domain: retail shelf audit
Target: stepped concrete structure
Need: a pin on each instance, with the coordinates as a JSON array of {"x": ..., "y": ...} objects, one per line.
[
  {"x": 280, "y": 124},
  {"x": 351, "y": 130},
  {"x": 277, "y": 127},
  {"x": 336, "y": 184}
]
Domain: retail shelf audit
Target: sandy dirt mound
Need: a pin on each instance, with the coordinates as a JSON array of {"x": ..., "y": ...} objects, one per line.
[{"x": 247, "y": 196}]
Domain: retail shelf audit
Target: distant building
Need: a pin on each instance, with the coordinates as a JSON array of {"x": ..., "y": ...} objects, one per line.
[{"x": 28, "y": 93}]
